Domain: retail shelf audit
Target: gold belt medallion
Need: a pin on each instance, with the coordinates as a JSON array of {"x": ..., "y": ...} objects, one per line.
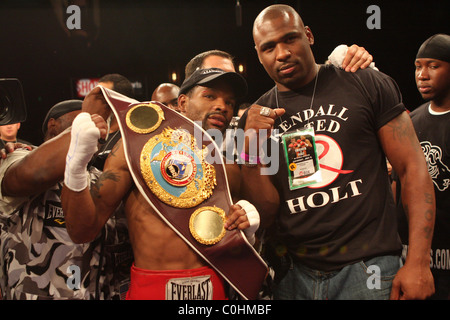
[
  {"x": 175, "y": 170},
  {"x": 144, "y": 118},
  {"x": 207, "y": 225}
]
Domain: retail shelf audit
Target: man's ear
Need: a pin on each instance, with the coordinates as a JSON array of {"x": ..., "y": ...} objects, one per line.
[
  {"x": 183, "y": 100},
  {"x": 51, "y": 124},
  {"x": 309, "y": 35},
  {"x": 257, "y": 53}
]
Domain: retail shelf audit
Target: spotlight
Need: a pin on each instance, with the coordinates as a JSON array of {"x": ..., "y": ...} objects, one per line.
[
  {"x": 174, "y": 77},
  {"x": 238, "y": 14}
]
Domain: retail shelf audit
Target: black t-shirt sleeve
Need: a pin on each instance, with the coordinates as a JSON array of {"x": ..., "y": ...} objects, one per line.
[
  {"x": 384, "y": 96},
  {"x": 243, "y": 120}
]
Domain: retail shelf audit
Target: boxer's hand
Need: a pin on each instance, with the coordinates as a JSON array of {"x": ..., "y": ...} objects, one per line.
[
  {"x": 243, "y": 216},
  {"x": 258, "y": 121},
  {"x": 95, "y": 103},
  {"x": 85, "y": 133},
  {"x": 101, "y": 124}
]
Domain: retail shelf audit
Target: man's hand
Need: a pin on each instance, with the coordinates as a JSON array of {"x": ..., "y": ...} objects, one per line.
[
  {"x": 356, "y": 58},
  {"x": 412, "y": 282},
  {"x": 95, "y": 103},
  {"x": 257, "y": 121},
  {"x": 11, "y": 146},
  {"x": 243, "y": 216},
  {"x": 101, "y": 125},
  {"x": 351, "y": 58}
]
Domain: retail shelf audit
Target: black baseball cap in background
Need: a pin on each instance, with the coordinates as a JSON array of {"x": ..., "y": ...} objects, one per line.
[
  {"x": 12, "y": 102},
  {"x": 205, "y": 76},
  {"x": 59, "y": 109}
]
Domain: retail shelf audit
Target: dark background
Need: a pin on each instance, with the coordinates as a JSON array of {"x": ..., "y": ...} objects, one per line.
[{"x": 148, "y": 40}]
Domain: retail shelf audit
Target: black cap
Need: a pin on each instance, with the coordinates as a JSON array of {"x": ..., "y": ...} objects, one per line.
[
  {"x": 60, "y": 109},
  {"x": 435, "y": 47},
  {"x": 204, "y": 76}
]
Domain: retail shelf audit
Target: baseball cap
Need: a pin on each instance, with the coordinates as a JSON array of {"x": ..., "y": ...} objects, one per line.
[
  {"x": 60, "y": 109},
  {"x": 205, "y": 76}
]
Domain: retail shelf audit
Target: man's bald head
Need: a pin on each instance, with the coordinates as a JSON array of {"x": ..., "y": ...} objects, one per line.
[
  {"x": 274, "y": 12},
  {"x": 283, "y": 44},
  {"x": 167, "y": 94}
]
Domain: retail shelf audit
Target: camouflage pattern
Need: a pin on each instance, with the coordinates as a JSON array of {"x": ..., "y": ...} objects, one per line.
[
  {"x": 116, "y": 258},
  {"x": 38, "y": 255},
  {"x": 38, "y": 260}
]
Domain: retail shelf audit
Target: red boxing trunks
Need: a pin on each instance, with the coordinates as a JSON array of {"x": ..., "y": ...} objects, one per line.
[{"x": 192, "y": 284}]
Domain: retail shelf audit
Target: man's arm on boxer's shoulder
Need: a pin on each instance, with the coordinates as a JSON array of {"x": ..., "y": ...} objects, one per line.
[
  {"x": 39, "y": 169},
  {"x": 356, "y": 58},
  {"x": 43, "y": 166}
]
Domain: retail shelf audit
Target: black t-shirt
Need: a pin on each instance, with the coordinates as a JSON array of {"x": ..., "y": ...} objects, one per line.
[
  {"x": 433, "y": 132},
  {"x": 350, "y": 215}
]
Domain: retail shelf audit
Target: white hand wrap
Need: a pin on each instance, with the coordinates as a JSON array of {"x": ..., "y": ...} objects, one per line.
[
  {"x": 83, "y": 145},
  {"x": 337, "y": 57},
  {"x": 253, "y": 219}
]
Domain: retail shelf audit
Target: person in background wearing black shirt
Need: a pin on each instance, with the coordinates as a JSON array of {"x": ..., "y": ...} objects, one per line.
[{"x": 431, "y": 122}]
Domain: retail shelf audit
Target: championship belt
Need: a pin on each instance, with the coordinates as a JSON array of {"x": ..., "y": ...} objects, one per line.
[{"x": 168, "y": 164}]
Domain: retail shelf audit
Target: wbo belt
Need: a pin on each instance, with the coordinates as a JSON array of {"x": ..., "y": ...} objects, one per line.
[{"x": 167, "y": 157}]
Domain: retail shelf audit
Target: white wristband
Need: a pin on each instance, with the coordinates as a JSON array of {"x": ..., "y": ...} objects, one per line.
[
  {"x": 83, "y": 145},
  {"x": 253, "y": 219}
]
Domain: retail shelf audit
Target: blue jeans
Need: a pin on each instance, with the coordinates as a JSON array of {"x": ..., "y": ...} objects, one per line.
[{"x": 371, "y": 279}]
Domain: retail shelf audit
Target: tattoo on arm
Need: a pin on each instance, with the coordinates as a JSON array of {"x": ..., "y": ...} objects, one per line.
[
  {"x": 428, "y": 232},
  {"x": 114, "y": 149},
  {"x": 428, "y": 198},
  {"x": 401, "y": 129},
  {"x": 107, "y": 175},
  {"x": 428, "y": 215}
]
